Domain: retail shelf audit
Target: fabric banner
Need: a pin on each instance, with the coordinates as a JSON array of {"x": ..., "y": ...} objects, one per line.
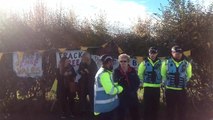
[
  {"x": 27, "y": 64},
  {"x": 75, "y": 58},
  {"x": 73, "y": 55}
]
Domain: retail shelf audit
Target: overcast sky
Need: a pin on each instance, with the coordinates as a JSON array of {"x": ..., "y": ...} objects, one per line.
[{"x": 124, "y": 12}]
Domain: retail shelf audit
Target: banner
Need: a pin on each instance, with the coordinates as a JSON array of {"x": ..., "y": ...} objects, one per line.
[
  {"x": 75, "y": 58},
  {"x": 27, "y": 64},
  {"x": 73, "y": 55}
]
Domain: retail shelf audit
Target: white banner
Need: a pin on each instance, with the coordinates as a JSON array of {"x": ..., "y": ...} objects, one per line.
[
  {"x": 75, "y": 57},
  {"x": 27, "y": 64}
]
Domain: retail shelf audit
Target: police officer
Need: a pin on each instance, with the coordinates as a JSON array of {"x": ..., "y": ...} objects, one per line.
[
  {"x": 150, "y": 77},
  {"x": 176, "y": 72},
  {"x": 105, "y": 91}
]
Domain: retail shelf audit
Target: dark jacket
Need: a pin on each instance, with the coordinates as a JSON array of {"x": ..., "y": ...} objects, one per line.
[
  {"x": 64, "y": 80},
  {"x": 129, "y": 81},
  {"x": 87, "y": 78}
]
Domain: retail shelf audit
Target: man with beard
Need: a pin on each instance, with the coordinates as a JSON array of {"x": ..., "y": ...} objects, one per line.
[
  {"x": 150, "y": 76},
  {"x": 105, "y": 91}
]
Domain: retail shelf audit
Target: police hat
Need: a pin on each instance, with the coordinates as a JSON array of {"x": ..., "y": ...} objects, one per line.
[
  {"x": 105, "y": 58},
  {"x": 153, "y": 50},
  {"x": 177, "y": 49}
]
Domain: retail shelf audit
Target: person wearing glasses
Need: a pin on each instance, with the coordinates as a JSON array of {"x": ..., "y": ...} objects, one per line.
[
  {"x": 127, "y": 77},
  {"x": 149, "y": 72},
  {"x": 176, "y": 72}
]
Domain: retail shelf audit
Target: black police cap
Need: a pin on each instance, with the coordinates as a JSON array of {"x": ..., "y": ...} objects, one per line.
[
  {"x": 153, "y": 50},
  {"x": 105, "y": 58},
  {"x": 177, "y": 49}
]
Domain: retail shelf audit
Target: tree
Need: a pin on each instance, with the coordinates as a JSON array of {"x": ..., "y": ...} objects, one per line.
[{"x": 190, "y": 26}]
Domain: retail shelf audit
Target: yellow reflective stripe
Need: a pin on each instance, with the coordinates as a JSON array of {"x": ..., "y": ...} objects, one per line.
[
  {"x": 106, "y": 101},
  {"x": 153, "y": 64},
  {"x": 151, "y": 85},
  {"x": 189, "y": 71},
  {"x": 177, "y": 64},
  {"x": 173, "y": 88},
  {"x": 163, "y": 70}
]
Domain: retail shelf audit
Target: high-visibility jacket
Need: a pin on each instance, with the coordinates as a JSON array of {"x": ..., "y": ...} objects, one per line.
[
  {"x": 176, "y": 74},
  {"x": 105, "y": 92},
  {"x": 149, "y": 73}
]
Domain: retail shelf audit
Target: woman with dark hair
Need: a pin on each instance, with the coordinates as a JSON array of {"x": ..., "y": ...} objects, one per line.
[{"x": 66, "y": 87}]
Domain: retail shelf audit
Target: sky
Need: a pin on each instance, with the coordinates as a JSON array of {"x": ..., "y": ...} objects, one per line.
[{"x": 123, "y": 12}]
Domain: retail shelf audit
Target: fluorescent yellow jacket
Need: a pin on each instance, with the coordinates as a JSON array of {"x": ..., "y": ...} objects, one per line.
[
  {"x": 105, "y": 92},
  {"x": 147, "y": 69},
  {"x": 170, "y": 65}
]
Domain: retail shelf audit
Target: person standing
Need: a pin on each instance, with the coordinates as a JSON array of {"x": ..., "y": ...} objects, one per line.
[
  {"x": 176, "y": 72},
  {"x": 127, "y": 77},
  {"x": 105, "y": 91},
  {"x": 87, "y": 70},
  {"x": 149, "y": 72},
  {"x": 66, "y": 87}
]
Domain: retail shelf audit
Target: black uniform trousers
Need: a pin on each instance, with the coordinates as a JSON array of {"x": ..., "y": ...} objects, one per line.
[
  {"x": 176, "y": 104},
  {"x": 151, "y": 103}
]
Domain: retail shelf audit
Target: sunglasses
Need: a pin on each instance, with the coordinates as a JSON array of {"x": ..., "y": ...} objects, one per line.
[{"x": 123, "y": 61}]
